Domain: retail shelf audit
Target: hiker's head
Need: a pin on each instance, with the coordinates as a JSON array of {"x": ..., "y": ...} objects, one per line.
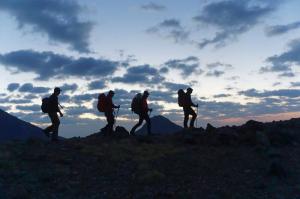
[
  {"x": 146, "y": 94},
  {"x": 111, "y": 93},
  {"x": 189, "y": 90},
  {"x": 180, "y": 92},
  {"x": 57, "y": 91}
]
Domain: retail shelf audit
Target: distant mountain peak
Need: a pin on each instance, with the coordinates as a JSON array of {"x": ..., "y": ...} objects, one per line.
[{"x": 160, "y": 125}]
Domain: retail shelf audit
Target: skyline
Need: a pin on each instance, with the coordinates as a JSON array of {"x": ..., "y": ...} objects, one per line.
[{"x": 241, "y": 58}]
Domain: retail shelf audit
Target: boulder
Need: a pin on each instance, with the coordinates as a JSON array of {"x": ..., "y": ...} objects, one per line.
[
  {"x": 210, "y": 128},
  {"x": 121, "y": 132}
]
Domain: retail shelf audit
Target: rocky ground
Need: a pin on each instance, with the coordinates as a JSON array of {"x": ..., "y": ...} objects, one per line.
[{"x": 255, "y": 160}]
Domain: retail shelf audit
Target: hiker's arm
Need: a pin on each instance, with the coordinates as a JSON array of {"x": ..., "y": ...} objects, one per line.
[
  {"x": 116, "y": 106},
  {"x": 194, "y": 105}
]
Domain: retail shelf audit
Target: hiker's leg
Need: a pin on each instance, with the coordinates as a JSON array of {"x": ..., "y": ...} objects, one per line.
[
  {"x": 49, "y": 128},
  {"x": 148, "y": 121},
  {"x": 110, "y": 122},
  {"x": 56, "y": 122},
  {"x": 194, "y": 116},
  {"x": 137, "y": 125},
  {"x": 186, "y": 118}
]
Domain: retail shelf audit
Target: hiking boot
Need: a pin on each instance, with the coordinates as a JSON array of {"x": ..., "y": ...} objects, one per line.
[{"x": 46, "y": 133}]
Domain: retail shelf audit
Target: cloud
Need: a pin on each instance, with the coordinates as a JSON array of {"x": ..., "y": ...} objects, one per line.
[
  {"x": 4, "y": 108},
  {"x": 175, "y": 86},
  {"x": 222, "y": 95},
  {"x": 78, "y": 110},
  {"x": 218, "y": 69},
  {"x": 215, "y": 73},
  {"x": 287, "y": 74},
  {"x": 29, "y": 88},
  {"x": 69, "y": 87},
  {"x": 283, "y": 62},
  {"x": 232, "y": 18},
  {"x": 19, "y": 101},
  {"x": 281, "y": 29},
  {"x": 170, "y": 29},
  {"x": 219, "y": 65},
  {"x": 84, "y": 97},
  {"x": 290, "y": 93},
  {"x": 94, "y": 85},
  {"x": 13, "y": 86},
  {"x": 32, "y": 108},
  {"x": 153, "y": 7},
  {"x": 59, "y": 20},
  {"x": 188, "y": 66},
  {"x": 144, "y": 74},
  {"x": 48, "y": 65},
  {"x": 295, "y": 84}
]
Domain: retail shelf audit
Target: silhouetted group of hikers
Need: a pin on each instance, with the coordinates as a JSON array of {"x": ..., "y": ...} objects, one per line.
[{"x": 139, "y": 106}]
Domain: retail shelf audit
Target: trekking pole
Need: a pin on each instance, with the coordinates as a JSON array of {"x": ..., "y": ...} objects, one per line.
[
  {"x": 197, "y": 116},
  {"x": 117, "y": 113},
  {"x": 60, "y": 106}
]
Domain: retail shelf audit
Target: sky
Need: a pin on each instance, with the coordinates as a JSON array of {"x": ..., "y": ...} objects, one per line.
[{"x": 241, "y": 57}]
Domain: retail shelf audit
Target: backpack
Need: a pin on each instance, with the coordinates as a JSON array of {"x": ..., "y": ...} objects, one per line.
[
  {"x": 45, "y": 105},
  {"x": 101, "y": 106},
  {"x": 136, "y": 103},
  {"x": 181, "y": 97}
]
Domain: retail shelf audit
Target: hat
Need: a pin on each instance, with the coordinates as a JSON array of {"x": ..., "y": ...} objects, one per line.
[{"x": 146, "y": 93}]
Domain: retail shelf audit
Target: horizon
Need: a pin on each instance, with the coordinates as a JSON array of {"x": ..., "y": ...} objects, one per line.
[{"x": 241, "y": 58}]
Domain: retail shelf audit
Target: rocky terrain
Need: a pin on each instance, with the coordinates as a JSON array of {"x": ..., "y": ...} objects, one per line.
[{"x": 255, "y": 160}]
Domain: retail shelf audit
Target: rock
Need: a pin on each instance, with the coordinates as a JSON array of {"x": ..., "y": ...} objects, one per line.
[
  {"x": 189, "y": 139},
  {"x": 228, "y": 137},
  {"x": 248, "y": 137},
  {"x": 121, "y": 132},
  {"x": 279, "y": 136},
  {"x": 253, "y": 126},
  {"x": 262, "y": 139},
  {"x": 210, "y": 128},
  {"x": 276, "y": 169}
]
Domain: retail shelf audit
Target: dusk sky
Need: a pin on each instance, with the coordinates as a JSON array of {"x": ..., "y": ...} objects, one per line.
[{"x": 241, "y": 57}]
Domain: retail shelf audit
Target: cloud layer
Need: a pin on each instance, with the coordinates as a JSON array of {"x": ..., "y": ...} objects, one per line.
[
  {"x": 58, "y": 19},
  {"x": 48, "y": 64},
  {"x": 232, "y": 18}
]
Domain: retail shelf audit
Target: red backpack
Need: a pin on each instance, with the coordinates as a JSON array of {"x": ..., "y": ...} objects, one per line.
[
  {"x": 181, "y": 98},
  {"x": 102, "y": 101}
]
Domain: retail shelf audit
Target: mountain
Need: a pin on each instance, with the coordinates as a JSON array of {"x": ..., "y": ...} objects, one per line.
[
  {"x": 160, "y": 125},
  {"x": 14, "y": 128}
]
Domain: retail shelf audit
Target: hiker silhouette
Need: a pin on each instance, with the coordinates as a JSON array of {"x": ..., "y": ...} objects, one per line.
[
  {"x": 106, "y": 105},
  {"x": 185, "y": 101},
  {"x": 52, "y": 107},
  {"x": 139, "y": 106}
]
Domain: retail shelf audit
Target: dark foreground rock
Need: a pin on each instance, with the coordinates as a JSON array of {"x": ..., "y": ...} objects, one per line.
[
  {"x": 146, "y": 167},
  {"x": 245, "y": 162}
]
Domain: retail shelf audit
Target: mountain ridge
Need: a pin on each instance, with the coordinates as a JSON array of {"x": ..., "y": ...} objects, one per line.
[{"x": 14, "y": 128}]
